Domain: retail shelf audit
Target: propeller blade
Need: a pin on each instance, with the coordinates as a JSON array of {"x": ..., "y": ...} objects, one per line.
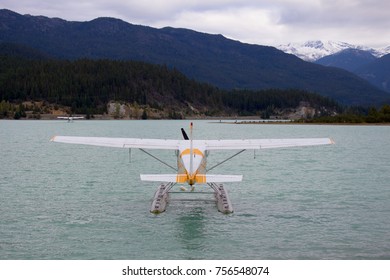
[{"x": 185, "y": 136}]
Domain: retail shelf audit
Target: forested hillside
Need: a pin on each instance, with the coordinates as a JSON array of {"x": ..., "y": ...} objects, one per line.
[
  {"x": 86, "y": 86},
  {"x": 209, "y": 58}
]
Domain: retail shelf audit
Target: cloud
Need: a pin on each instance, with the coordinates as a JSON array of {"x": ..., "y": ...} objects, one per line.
[
  {"x": 244, "y": 24},
  {"x": 336, "y": 13},
  {"x": 355, "y": 21}
]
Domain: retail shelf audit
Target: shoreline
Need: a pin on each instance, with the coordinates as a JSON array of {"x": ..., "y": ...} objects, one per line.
[
  {"x": 221, "y": 120},
  {"x": 303, "y": 123}
]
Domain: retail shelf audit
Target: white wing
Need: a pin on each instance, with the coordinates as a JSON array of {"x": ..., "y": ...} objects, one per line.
[
  {"x": 207, "y": 144},
  {"x": 120, "y": 142},
  {"x": 261, "y": 143}
]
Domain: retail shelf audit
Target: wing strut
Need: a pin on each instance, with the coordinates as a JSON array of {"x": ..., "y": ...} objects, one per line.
[
  {"x": 229, "y": 158},
  {"x": 156, "y": 158}
]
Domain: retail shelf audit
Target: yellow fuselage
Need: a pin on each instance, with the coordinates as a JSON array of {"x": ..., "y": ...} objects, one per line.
[{"x": 191, "y": 166}]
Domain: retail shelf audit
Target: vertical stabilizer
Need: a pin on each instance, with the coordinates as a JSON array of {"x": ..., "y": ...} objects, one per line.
[{"x": 191, "y": 171}]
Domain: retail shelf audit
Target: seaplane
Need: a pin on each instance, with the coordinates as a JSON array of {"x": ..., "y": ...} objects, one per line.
[
  {"x": 70, "y": 118},
  {"x": 192, "y": 156}
]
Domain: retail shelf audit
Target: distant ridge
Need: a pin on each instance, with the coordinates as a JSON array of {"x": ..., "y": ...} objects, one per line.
[
  {"x": 362, "y": 63},
  {"x": 348, "y": 59},
  {"x": 207, "y": 58},
  {"x": 377, "y": 72}
]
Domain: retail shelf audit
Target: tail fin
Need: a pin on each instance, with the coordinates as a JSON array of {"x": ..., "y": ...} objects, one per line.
[{"x": 191, "y": 152}]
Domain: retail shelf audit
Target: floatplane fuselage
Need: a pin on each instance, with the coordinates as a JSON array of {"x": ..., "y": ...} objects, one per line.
[
  {"x": 70, "y": 118},
  {"x": 191, "y": 161}
]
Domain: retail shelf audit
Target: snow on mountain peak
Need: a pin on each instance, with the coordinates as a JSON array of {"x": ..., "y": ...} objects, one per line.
[
  {"x": 314, "y": 44},
  {"x": 316, "y": 49}
]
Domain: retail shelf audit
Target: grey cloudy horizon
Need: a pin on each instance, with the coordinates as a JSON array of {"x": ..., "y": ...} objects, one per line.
[{"x": 360, "y": 22}]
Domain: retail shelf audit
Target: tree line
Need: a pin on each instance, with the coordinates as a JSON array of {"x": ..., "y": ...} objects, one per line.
[
  {"x": 86, "y": 86},
  {"x": 372, "y": 115}
]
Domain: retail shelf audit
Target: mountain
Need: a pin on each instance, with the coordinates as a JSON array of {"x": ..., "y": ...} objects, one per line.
[
  {"x": 348, "y": 59},
  {"x": 362, "y": 63},
  {"x": 20, "y": 51},
  {"x": 207, "y": 58},
  {"x": 377, "y": 72},
  {"x": 314, "y": 50}
]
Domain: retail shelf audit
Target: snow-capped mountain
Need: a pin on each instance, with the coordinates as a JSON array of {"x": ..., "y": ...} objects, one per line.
[{"x": 314, "y": 50}]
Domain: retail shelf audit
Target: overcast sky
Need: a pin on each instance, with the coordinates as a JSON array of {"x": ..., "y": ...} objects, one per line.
[{"x": 272, "y": 22}]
